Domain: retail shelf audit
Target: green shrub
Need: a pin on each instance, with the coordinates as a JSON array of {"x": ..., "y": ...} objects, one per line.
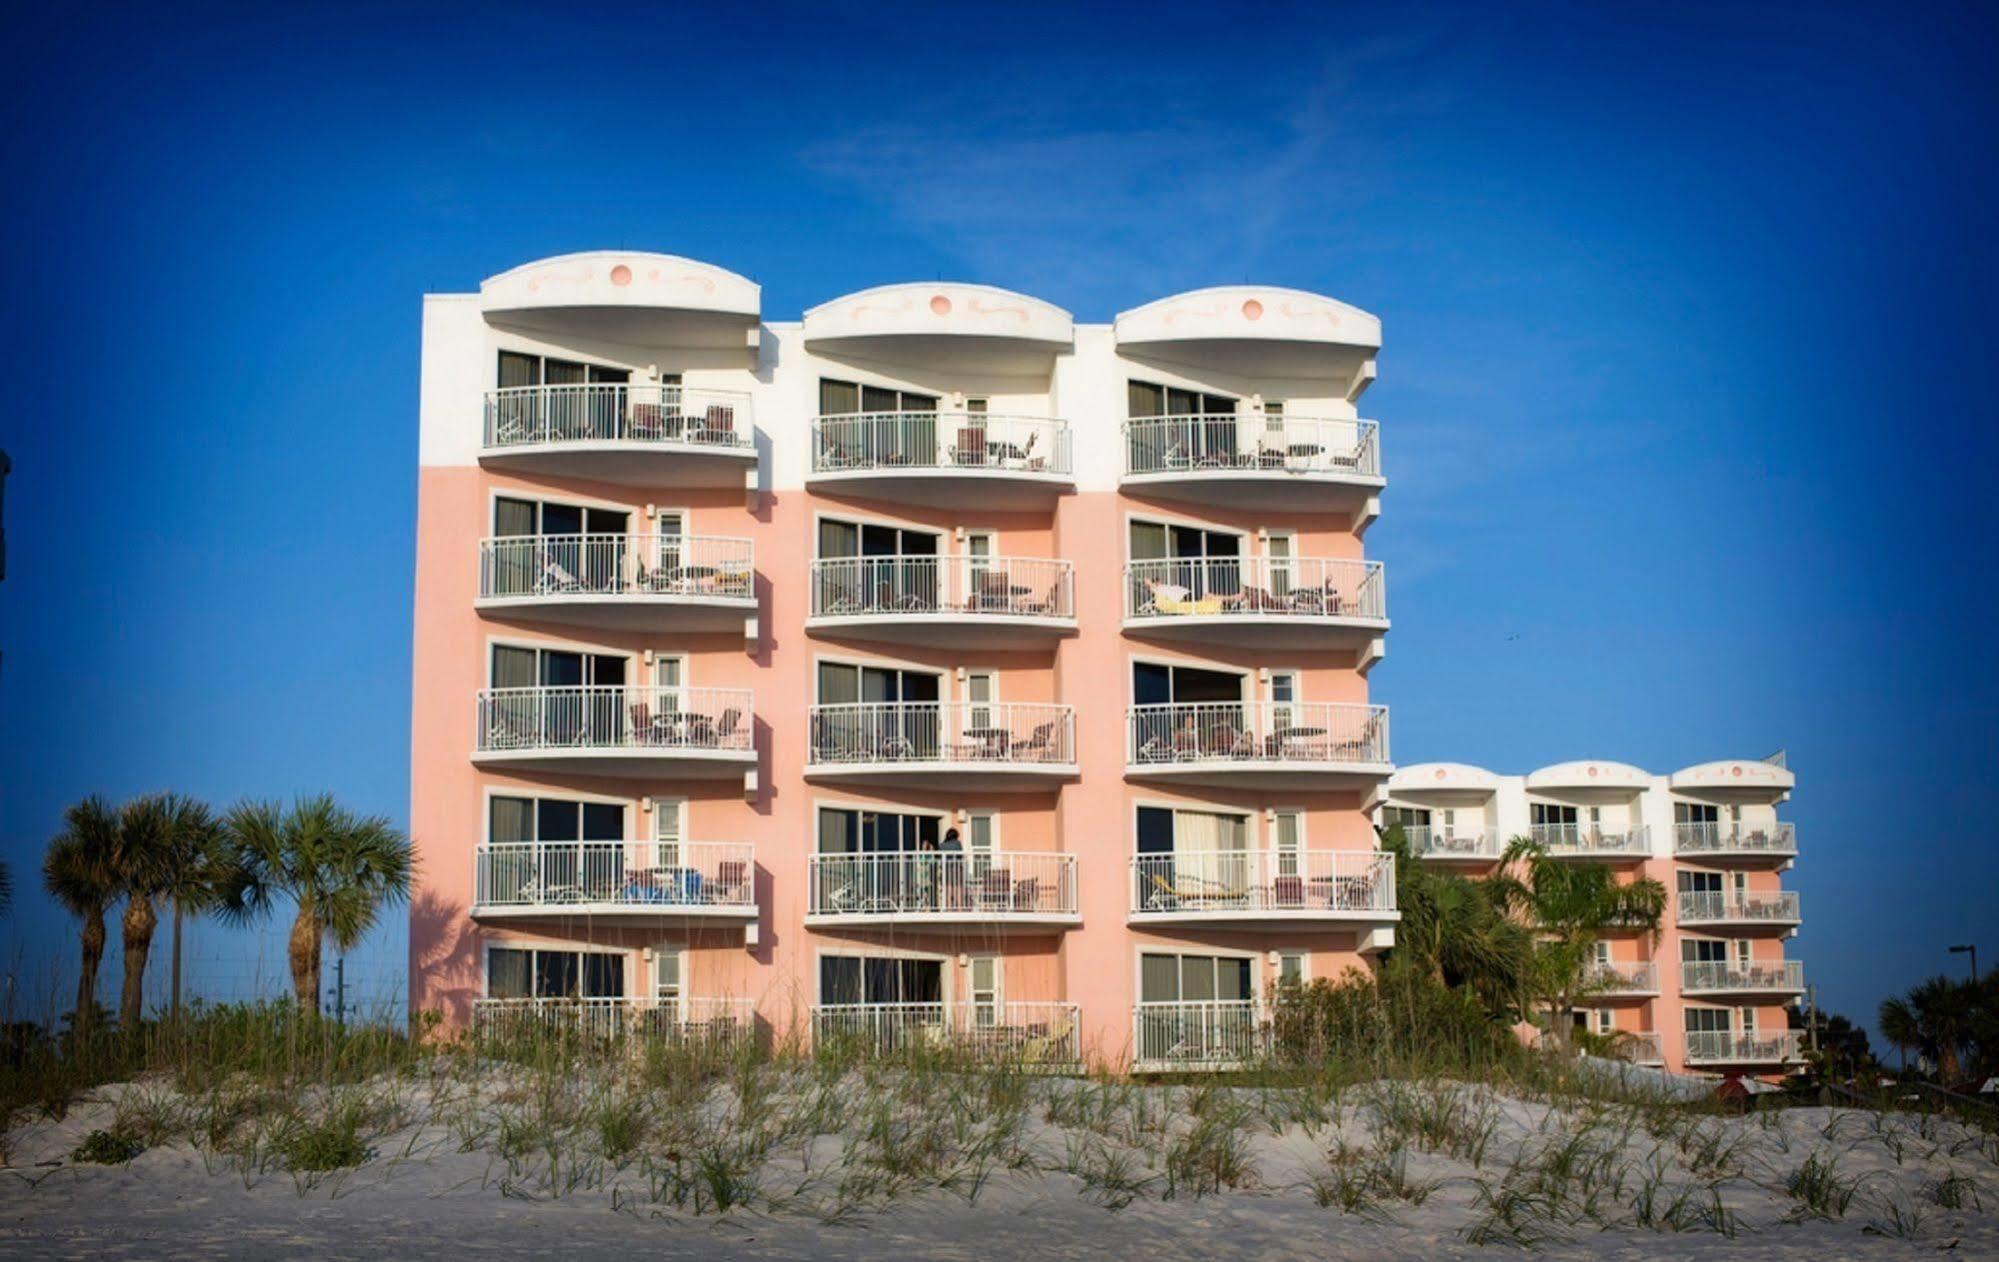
[
  {"x": 332, "y": 1144},
  {"x": 1400, "y": 1018},
  {"x": 107, "y": 1148}
]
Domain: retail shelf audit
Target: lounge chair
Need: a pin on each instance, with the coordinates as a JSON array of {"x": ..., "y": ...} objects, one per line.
[
  {"x": 1050, "y": 1047},
  {"x": 1167, "y": 895}
]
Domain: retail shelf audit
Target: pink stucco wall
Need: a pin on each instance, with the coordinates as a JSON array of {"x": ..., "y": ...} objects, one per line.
[{"x": 1094, "y": 965}]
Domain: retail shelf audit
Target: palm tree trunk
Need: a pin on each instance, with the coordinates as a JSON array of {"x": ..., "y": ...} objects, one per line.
[
  {"x": 304, "y": 952},
  {"x": 93, "y": 957},
  {"x": 174, "y": 1010},
  {"x": 140, "y": 921}
]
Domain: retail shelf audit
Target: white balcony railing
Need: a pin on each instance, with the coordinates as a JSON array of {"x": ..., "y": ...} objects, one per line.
[
  {"x": 686, "y": 1019},
  {"x": 1000, "y": 587},
  {"x": 1591, "y": 839},
  {"x": 1023, "y": 1033},
  {"x": 1211, "y": 1035},
  {"x": 633, "y": 717},
  {"x": 617, "y": 565},
  {"x": 977, "y": 885},
  {"x": 975, "y": 442},
  {"x": 1253, "y": 443},
  {"x": 1709, "y": 839},
  {"x": 1725, "y": 975},
  {"x": 1008, "y": 733},
  {"x": 667, "y": 875},
  {"x": 1233, "y": 882},
  {"x": 1293, "y": 587},
  {"x": 1428, "y": 841},
  {"x": 1640, "y": 1047},
  {"x": 1255, "y": 731},
  {"x": 1782, "y": 1047},
  {"x": 1621, "y": 979},
  {"x": 1776, "y": 907},
  {"x": 526, "y": 416}
]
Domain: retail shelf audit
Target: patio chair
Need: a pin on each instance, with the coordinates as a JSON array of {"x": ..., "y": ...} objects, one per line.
[
  {"x": 554, "y": 578},
  {"x": 1039, "y": 745},
  {"x": 1027, "y": 894},
  {"x": 1287, "y": 891},
  {"x": 996, "y": 889},
  {"x": 971, "y": 448},
  {"x": 732, "y": 882},
  {"x": 717, "y": 426},
  {"x": 722, "y": 734}
]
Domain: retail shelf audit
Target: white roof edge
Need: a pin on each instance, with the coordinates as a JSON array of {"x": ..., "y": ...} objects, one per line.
[
  {"x": 897, "y": 286},
  {"x": 649, "y": 255}
]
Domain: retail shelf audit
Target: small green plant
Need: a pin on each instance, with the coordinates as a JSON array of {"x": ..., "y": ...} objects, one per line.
[
  {"x": 107, "y": 1148},
  {"x": 316, "y": 1147},
  {"x": 1818, "y": 1189},
  {"x": 1953, "y": 1191}
]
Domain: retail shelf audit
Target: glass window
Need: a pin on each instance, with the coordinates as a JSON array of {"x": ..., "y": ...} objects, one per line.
[
  {"x": 509, "y": 973},
  {"x": 1291, "y": 968}
]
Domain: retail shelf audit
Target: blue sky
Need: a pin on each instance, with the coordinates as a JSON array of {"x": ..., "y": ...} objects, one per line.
[{"x": 1683, "y": 399}]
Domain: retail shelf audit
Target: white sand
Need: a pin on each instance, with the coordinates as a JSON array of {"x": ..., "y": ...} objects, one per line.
[{"x": 421, "y": 1192}]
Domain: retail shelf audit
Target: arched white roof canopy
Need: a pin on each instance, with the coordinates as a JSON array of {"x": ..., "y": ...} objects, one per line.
[
  {"x": 1442, "y": 777},
  {"x": 1589, "y": 774},
  {"x": 1742, "y": 775},
  {"x": 1257, "y": 331},
  {"x": 626, "y": 296},
  {"x": 972, "y": 327}
]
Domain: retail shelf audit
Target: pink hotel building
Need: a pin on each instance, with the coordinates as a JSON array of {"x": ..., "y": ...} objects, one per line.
[{"x": 938, "y": 667}]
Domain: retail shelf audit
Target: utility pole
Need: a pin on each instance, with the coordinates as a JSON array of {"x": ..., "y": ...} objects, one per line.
[
  {"x": 340, "y": 991},
  {"x": 1971, "y": 947}
]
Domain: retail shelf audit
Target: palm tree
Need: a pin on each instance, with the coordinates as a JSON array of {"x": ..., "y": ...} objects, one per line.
[
  {"x": 139, "y": 862},
  {"x": 341, "y": 869},
  {"x": 79, "y": 872},
  {"x": 188, "y": 862},
  {"x": 6, "y": 889},
  {"x": 1935, "y": 1021},
  {"x": 1568, "y": 905},
  {"x": 1453, "y": 930}
]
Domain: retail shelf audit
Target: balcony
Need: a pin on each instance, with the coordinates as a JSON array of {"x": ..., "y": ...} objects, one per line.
[
  {"x": 687, "y": 1019},
  {"x": 1725, "y": 909},
  {"x": 643, "y": 882},
  {"x": 620, "y": 582},
  {"x": 1288, "y": 463},
  {"x": 1038, "y": 1035},
  {"x": 960, "y": 601},
  {"x": 1639, "y": 1047},
  {"x": 1721, "y": 1047},
  {"x": 1776, "y": 844},
  {"x": 625, "y": 434},
  {"x": 936, "y": 744},
  {"x": 943, "y": 459},
  {"x": 1255, "y": 889},
  {"x": 1628, "y": 844},
  {"x": 1621, "y": 981},
  {"x": 1295, "y": 603},
  {"x": 1217, "y": 1034},
  {"x": 1293, "y": 745},
  {"x": 986, "y": 892},
  {"x": 1720, "y": 977},
  {"x": 1454, "y": 845},
  {"x": 668, "y": 733}
]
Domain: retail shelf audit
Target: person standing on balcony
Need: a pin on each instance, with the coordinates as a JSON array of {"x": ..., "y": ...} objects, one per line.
[{"x": 954, "y": 866}]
